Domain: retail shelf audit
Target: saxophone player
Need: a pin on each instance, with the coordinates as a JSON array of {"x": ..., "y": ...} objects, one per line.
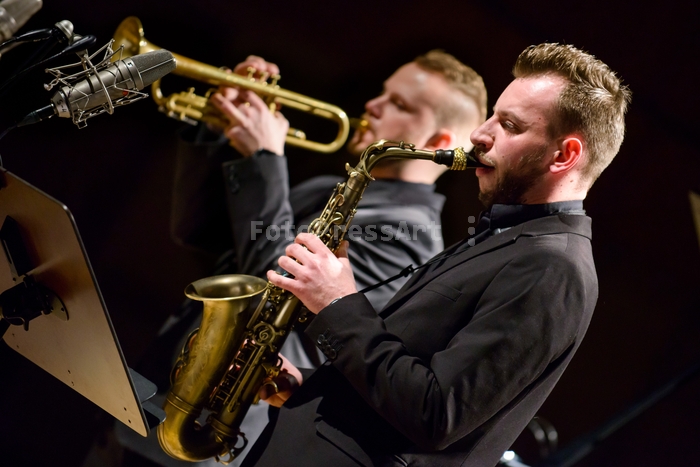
[{"x": 455, "y": 366}]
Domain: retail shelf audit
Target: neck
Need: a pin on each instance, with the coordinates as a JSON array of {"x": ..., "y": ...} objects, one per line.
[{"x": 565, "y": 189}]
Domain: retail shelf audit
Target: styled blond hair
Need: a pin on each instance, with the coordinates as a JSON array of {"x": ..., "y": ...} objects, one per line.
[
  {"x": 593, "y": 103},
  {"x": 459, "y": 77}
]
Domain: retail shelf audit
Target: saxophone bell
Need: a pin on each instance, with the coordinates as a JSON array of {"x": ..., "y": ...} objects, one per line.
[{"x": 202, "y": 365}]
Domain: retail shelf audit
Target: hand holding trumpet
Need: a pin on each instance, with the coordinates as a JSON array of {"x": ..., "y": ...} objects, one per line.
[{"x": 252, "y": 126}]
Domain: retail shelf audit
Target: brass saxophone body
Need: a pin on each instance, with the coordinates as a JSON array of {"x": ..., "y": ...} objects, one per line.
[{"x": 227, "y": 361}]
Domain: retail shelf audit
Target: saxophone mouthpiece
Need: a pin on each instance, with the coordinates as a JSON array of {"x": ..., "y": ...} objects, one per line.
[{"x": 457, "y": 159}]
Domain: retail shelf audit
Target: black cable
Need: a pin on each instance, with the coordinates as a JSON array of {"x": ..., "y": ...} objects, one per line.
[
  {"x": 410, "y": 269},
  {"x": 38, "y": 54},
  {"x": 31, "y": 36},
  {"x": 7, "y": 130}
]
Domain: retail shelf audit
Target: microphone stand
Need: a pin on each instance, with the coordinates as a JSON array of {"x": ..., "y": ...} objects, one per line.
[{"x": 584, "y": 445}]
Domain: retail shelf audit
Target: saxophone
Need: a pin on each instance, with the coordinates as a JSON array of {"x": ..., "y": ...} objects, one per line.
[{"x": 235, "y": 351}]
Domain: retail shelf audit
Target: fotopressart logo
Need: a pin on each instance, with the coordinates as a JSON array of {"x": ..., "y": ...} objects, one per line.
[{"x": 368, "y": 233}]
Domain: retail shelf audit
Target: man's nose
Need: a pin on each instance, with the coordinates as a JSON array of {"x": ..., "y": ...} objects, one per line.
[
  {"x": 482, "y": 136},
  {"x": 374, "y": 107}
]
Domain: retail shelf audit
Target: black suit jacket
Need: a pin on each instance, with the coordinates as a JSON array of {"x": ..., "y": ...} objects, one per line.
[{"x": 454, "y": 367}]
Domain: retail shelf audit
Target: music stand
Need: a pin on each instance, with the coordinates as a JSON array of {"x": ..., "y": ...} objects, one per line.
[{"x": 71, "y": 335}]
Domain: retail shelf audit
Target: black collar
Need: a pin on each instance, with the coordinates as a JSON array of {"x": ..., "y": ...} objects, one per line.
[{"x": 504, "y": 216}]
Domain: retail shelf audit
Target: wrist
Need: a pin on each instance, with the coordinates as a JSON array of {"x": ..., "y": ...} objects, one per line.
[
  {"x": 336, "y": 300},
  {"x": 262, "y": 152}
]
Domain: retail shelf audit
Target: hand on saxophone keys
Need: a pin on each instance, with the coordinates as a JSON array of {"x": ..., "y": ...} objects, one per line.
[{"x": 319, "y": 276}]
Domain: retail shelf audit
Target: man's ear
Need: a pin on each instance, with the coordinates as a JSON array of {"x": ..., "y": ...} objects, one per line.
[
  {"x": 442, "y": 139},
  {"x": 569, "y": 154}
]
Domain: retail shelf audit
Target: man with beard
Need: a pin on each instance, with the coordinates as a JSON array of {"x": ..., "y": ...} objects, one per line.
[{"x": 460, "y": 359}]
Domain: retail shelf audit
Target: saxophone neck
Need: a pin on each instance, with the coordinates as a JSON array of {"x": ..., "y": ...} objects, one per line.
[
  {"x": 380, "y": 150},
  {"x": 455, "y": 159}
]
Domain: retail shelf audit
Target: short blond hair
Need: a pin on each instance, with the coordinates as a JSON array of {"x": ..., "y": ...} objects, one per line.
[
  {"x": 593, "y": 103},
  {"x": 459, "y": 77}
]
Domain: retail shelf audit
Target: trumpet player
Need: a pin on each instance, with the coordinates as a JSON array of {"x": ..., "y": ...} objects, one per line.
[
  {"x": 455, "y": 366},
  {"x": 433, "y": 102}
]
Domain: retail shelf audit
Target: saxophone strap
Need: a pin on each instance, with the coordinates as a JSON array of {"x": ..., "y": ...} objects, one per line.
[
  {"x": 405, "y": 272},
  {"x": 410, "y": 269}
]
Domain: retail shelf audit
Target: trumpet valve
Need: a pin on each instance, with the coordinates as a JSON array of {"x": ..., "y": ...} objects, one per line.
[{"x": 251, "y": 73}]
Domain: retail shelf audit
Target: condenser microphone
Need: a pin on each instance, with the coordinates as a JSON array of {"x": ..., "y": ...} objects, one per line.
[{"x": 117, "y": 84}]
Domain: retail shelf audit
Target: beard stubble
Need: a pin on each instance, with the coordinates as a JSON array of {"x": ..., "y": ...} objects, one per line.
[{"x": 514, "y": 182}]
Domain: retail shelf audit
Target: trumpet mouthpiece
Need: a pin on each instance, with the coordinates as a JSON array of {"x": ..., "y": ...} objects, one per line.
[{"x": 359, "y": 124}]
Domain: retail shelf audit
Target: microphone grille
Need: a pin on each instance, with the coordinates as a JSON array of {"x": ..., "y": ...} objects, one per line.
[{"x": 154, "y": 65}]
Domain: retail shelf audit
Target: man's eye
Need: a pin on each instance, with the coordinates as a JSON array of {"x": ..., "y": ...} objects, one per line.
[
  {"x": 508, "y": 125},
  {"x": 399, "y": 104}
]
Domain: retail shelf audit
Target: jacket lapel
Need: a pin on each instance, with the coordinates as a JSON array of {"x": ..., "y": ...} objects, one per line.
[{"x": 580, "y": 225}]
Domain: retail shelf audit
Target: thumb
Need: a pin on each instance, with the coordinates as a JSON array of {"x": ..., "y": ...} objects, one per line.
[{"x": 342, "y": 252}]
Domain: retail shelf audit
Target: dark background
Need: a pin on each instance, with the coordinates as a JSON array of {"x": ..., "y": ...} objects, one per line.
[{"x": 116, "y": 177}]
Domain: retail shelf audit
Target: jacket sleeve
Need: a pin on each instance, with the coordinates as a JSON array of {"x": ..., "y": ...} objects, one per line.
[
  {"x": 198, "y": 212},
  {"x": 260, "y": 214},
  {"x": 523, "y": 321}
]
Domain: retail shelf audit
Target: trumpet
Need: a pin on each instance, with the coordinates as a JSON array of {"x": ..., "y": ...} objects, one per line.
[{"x": 190, "y": 107}]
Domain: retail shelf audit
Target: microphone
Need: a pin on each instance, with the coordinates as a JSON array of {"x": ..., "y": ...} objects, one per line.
[
  {"x": 102, "y": 90},
  {"x": 13, "y": 15}
]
